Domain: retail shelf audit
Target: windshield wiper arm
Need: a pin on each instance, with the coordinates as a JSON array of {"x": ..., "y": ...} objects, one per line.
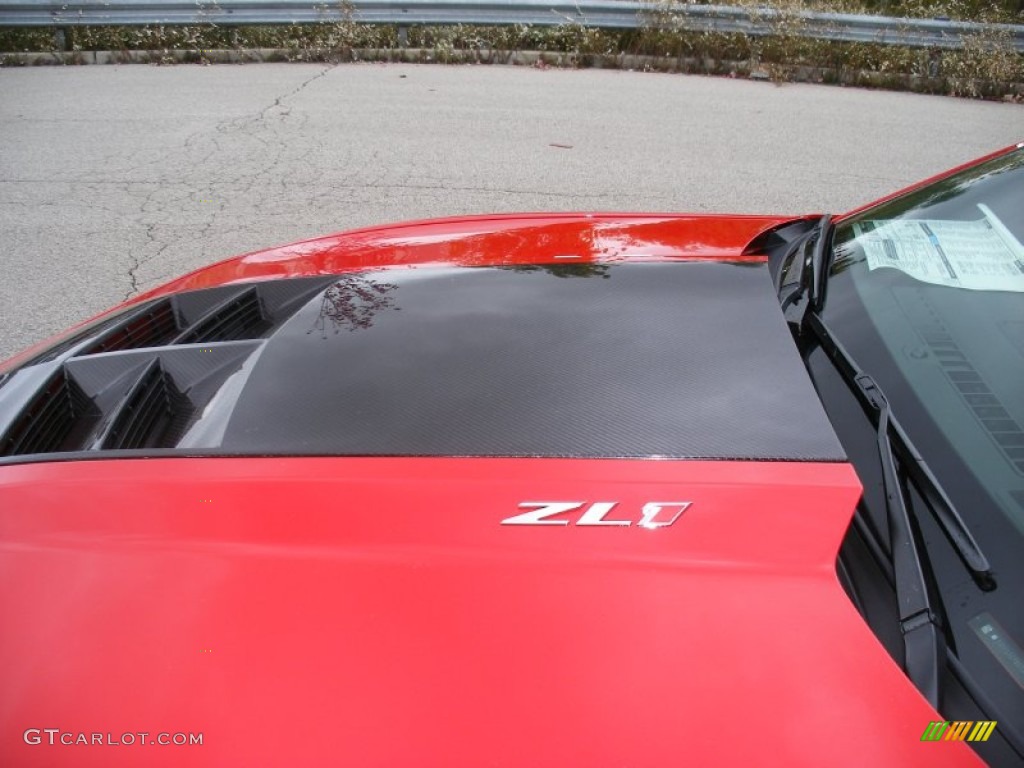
[
  {"x": 923, "y": 641},
  {"x": 936, "y": 500}
]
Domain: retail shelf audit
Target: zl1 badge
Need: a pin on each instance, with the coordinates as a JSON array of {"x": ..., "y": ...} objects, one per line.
[{"x": 653, "y": 514}]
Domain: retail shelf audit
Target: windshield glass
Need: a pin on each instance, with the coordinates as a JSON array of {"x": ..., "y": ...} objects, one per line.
[{"x": 926, "y": 291}]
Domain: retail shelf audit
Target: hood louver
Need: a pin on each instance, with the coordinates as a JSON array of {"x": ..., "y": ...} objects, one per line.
[
  {"x": 138, "y": 381},
  {"x": 153, "y": 327},
  {"x": 238, "y": 316},
  {"x": 52, "y": 418},
  {"x": 241, "y": 317},
  {"x": 152, "y": 412}
]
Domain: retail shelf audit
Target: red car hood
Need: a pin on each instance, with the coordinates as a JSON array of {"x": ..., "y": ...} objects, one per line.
[
  {"x": 531, "y": 238},
  {"x": 505, "y": 239},
  {"x": 378, "y": 612}
]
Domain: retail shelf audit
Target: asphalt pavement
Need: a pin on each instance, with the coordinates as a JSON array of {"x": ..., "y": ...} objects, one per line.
[{"x": 114, "y": 179}]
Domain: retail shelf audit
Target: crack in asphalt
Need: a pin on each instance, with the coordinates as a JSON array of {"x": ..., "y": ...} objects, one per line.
[
  {"x": 135, "y": 260},
  {"x": 301, "y": 87},
  {"x": 200, "y": 148}
]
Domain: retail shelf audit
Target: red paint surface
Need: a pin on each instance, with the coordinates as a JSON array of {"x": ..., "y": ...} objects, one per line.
[
  {"x": 375, "y": 612},
  {"x": 488, "y": 240},
  {"x": 476, "y": 241}
]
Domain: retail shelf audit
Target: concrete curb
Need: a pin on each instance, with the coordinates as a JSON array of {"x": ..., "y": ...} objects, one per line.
[{"x": 1013, "y": 92}]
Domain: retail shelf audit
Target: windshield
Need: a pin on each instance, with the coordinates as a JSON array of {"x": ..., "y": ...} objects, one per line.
[{"x": 926, "y": 291}]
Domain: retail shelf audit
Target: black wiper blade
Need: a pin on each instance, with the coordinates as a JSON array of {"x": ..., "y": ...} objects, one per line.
[
  {"x": 936, "y": 500},
  {"x": 923, "y": 642},
  {"x": 949, "y": 520}
]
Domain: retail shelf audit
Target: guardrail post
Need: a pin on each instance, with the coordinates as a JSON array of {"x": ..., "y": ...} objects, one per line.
[
  {"x": 403, "y": 37},
  {"x": 62, "y": 39}
]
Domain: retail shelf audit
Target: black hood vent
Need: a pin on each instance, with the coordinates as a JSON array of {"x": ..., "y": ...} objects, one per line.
[
  {"x": 228, "y": 313},
  {"x": 240, "y": 317},
  {"x": 153, "y": 327},
  {"x": 52, "y": 421},
  {"x": 152, "y": 415},
  {"x": 140, "y": 379}
]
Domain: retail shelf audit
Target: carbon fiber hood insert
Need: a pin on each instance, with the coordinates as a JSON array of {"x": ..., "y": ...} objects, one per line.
[{"x": 664, "y": 359}]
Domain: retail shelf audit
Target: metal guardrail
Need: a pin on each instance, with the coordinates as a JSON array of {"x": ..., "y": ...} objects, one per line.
[{"x": 606, "y": 14}]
